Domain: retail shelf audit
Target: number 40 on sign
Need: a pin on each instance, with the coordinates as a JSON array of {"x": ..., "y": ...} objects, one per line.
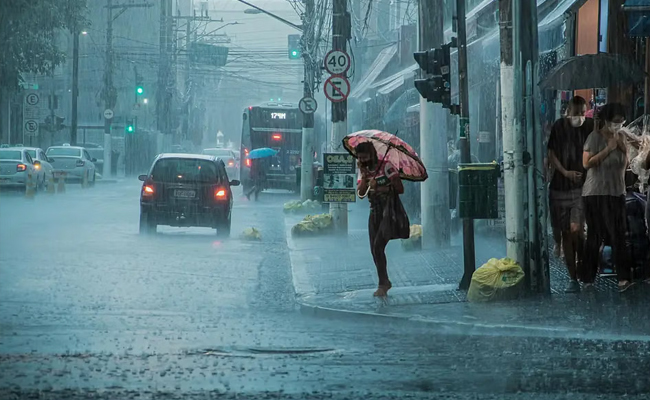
[{"x": 337, "y": 62}]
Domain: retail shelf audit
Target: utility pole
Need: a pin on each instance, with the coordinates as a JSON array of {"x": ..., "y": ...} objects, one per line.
[
  {"x": 469, "y": 255},
  {"x": 188, "y": 79},
  {"x": 75, "y": 85},
  {"x": 163, "y": 101},
  {"x": 307, "y": 161},
  {"x": 340, "y": 35},
  {"x": 513, "y": 144},
  {"x": 110, "y": 95},
  {"x": 433, "y": 139}
]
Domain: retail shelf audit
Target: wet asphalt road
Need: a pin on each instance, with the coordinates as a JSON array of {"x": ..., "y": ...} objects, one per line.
[{"x": 89, "y": 308}]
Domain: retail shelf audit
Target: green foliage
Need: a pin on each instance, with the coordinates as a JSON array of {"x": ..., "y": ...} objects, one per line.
[{"x": 28, "y": 29}]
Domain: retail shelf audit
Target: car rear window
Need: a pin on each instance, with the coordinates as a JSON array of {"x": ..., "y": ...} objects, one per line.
[
  {"x": 10, "y": 155},
  {"x": 184, "y": 170},
  {"x": 65, "y": 152}
]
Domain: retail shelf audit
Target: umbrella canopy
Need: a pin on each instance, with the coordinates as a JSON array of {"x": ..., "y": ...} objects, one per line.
[
  {"x": 262, "y": 152},
  {"x": 392, "y": 149},
  {"x": 593, "y": 71}
]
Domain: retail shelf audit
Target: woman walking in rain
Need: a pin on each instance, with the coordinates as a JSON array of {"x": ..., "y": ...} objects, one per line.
[
  {"x": 605, "y": 159},
  {"x": 381, "y": 182}
]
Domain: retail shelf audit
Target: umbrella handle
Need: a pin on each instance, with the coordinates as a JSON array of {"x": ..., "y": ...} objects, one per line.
[{"x": 364, "y": 196}]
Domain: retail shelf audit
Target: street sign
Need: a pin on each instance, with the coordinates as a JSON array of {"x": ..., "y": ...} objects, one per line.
[
  {"x": 31, "y": 127},
  {"x": 31, "y": 114},
  {"x": 108, "y": 113},
  {"x": 337, "y": 62},
  {"x": 337, "y": 88},
  {"x": 339, "y": 178},
  {"x": 308, "y": 105}
]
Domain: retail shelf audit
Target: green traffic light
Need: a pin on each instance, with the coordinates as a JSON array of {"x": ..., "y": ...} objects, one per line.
[
  {"x": 130, "y": 128},
  {"x": 139, "y": 90}
]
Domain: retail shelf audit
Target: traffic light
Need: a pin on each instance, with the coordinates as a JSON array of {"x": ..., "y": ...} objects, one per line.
[
  {"x": 294, "y": 47},
  {"x": 130, "y": 126},
  {"x": 139, "y": 86},
  {"x": 437, "y": 63}
]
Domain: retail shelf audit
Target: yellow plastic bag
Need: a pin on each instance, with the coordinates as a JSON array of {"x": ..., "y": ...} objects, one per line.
[
  {"x": 312, "y": 225},
  {"x": 251, "y": 234},
  {"x": 495, "y": 280},
  {"x": 414, "y": 242}
]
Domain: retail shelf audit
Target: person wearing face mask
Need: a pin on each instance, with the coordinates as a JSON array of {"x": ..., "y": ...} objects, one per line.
[
  {"x": 605, "y": 159},
  {"x": 565, "y": 147}
]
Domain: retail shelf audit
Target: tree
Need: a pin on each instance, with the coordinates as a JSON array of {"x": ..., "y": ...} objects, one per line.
[{"x": 27, "y": 35}]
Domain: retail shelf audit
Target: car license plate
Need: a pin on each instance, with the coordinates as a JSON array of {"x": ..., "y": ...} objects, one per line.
[{"x": 185, "y": 194}]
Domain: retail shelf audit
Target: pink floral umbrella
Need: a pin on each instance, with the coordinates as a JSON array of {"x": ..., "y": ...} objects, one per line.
[{"x": 390, "y": 148}]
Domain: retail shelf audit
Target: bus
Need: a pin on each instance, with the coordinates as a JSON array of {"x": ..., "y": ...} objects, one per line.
[{"x": 277, "y": 126}]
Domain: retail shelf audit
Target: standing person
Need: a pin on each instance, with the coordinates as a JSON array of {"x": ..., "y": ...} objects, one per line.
[
  {"x": 565, "y": 148},
  {"x": 605, "y": 159},
  {"x": 257, "y": 175},
  {"x": 380, "y": 181}
]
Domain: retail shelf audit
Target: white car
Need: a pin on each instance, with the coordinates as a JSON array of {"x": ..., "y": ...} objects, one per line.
[
  {"x": 44, "y": 169},
  {"x": 15, "y": 166},
  {"x": 228, "y": 157},
  {"x": 74, "y": 161}
]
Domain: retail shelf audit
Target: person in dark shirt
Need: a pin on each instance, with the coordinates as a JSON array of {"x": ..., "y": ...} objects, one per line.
[{"x": 565, "y": 148}]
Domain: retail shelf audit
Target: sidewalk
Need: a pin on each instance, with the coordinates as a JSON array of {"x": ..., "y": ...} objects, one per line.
[{"x": 336, "y": 276}]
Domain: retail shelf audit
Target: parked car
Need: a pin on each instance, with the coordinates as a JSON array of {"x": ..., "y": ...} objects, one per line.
[
  {"x": 75, "y": 161},
  {"x": 229, "y": 158},
  {"x": 43, "y": 166},
  {"x": 15, "y": 166},
  {"x": 186, "y": 190}
]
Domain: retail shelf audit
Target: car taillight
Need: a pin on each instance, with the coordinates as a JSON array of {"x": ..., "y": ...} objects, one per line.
[
  {"x": 248, "y": 162},
  {"x": 80, "y": 163},
  {"x": 231, "y": 163},
  {"x": 220, "y": 193},
  {"x": 148, "y": 189},
  {"x": 21, "y": 167}
]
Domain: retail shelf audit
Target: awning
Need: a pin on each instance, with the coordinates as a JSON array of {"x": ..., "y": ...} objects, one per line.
[
  {"x": 555, "y": 17},
  {"x": 394, "y": 81},
  {"x": 374, "y": 71},
  {"x": 638, "y": 17}
]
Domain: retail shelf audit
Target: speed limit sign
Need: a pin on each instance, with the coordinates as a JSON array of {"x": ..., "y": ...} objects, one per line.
[{"x": 337, "y": 62}]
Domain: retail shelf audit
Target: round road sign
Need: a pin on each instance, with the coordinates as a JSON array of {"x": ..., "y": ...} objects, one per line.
[
  {"x": 32, "y": 99},
  {"x": 337, "y": 88},
  {"x": 31, "y": 126},
  {"x": 337, "y": 62},
  {"x": 108, "y": 113},
  {"x": 308, "y": 105}
]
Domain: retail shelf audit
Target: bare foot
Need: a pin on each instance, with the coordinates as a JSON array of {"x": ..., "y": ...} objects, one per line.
[{"x": 382, "y": 290}]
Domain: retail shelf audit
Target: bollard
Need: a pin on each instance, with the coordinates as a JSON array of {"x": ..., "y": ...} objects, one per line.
[
  {"x": 50, "y": 184},
  {"x": 61, "y": 186},
  {"x": 30, "y": 187},
  {"x": 84, "y": 180}
]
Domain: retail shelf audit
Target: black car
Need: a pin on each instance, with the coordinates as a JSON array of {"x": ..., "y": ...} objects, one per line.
[{"x": 186, "y": 190}]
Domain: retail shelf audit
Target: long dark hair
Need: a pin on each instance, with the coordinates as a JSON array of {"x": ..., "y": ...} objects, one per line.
[{"x": 367, "y": 148}]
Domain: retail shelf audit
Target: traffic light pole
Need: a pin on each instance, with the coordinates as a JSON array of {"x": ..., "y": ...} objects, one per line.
[
  {"x": 433, "y": 140},
  {"x": 75, "y": 86},
  {"x": 340, "y": 32},
  {"x": 307, "y": 160},
  {"x": 469, "y": 256}
]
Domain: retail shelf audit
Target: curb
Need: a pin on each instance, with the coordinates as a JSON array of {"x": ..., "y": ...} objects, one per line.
[
  {"x": 106, "y": 181},
  {"x": 469, "y": 328}
]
